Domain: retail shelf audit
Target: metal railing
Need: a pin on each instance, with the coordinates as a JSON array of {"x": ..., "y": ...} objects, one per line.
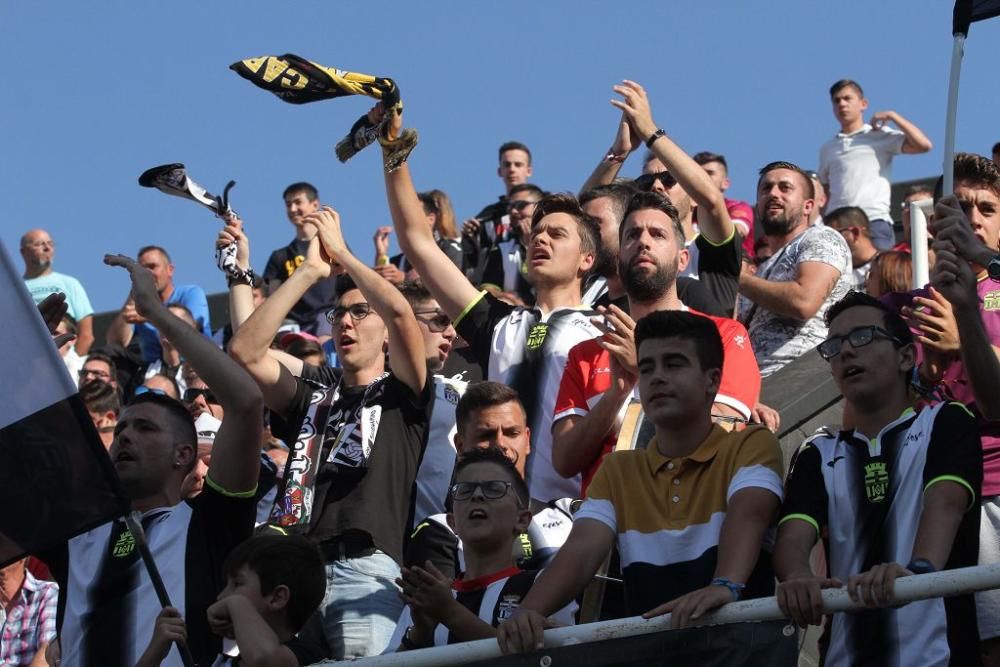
[{"x": 907, "y": 589}]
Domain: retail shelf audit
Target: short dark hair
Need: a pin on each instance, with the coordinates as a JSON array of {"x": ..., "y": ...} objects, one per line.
[
  {"x": 177, "y": 305},
  {"x": 341, "y": 286},
  {"x": 303, "y": 347},
  {"x": 919, "y": 189},
  {"x": 526, "y": 187},
  {"x": 479, "y": 395},
  {"x": 513, "y": 146},
  {"x": 284, "y": 560},
  {"x": 151, "y": 248},
  {"x": 705, "y": 157},
  {"x": 977, "y": 170},
  {"x": 70, "y": 322},
  {"x": 414, "y": 292},
  {"x": 587, "y": 225},
  {"x": 687, "y": 326},
  {"x": 100, "y": 356},
  {"x": 845, "y": 83},
  {"x": 619, "y": 194},
  {"x": 181, "y": 424},
  {"x": 894, "y": 323},
  {"x": 852, "y": 216},
  {"x": 495, "y": 455},
  {"x": 100, "y": 396},
  {"x": 312, "y": 194},
  {"x": 996, "y": 147},
  {"x": 780, "y": 164},
  {"x": 641, "y": 201}
]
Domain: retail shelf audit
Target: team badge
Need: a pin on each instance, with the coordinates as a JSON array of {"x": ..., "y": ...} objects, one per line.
[
  {"x": 507, "y": 606},
  {"x": 124, "y": 545},
  {"x": 876, "y": 481},
  {"x": 536, "y": 337}
]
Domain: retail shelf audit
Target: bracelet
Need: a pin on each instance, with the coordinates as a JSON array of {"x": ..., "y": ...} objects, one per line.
[
  {"x": 654, "y": 136},
  {"x": 921, "y": 566},
  {"x": 408, "y": 644},
  {"x": 382, "y": 260},
  {"x": 734, "y": 588},
  {"x": 615, "y": 157},
  {"x": 241, "y": 277}
]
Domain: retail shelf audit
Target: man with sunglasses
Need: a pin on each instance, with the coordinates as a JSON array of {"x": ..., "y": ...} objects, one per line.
[
  {"x": 902, "y": 486},
  {"x": 505, "y": 269},
  {"x": 355, "y": 442}
]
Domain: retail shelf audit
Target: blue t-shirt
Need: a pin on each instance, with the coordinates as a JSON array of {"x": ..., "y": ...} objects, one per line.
[
  {"x": 78, "y": 305},
  {"x": 191, "y": 297}
]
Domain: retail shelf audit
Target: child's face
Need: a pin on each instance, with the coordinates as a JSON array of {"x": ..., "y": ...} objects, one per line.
[
  {"x": 246, "y": 583},
  {"x": 481, "y": 520}
]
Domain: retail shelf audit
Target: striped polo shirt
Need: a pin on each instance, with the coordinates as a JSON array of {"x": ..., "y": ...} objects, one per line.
[{"x": 667, "y": 513}]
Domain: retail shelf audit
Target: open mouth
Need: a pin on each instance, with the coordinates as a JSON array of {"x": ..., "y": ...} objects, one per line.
[
  {"x": 852, "y": 371},
  {"x": 124, "y": 457},
  {"x": 478, "y": 513},
  {"x": 346, "y": 342}
]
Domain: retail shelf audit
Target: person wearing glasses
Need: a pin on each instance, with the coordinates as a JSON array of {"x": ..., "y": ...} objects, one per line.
[
  {"x": 38, "y": 250},
  {"x": 356, "y": 434},
  {"x": 896, "y": 495},
  {"x": 488, "y": 510},
  {"x": 505, "y": 273},
  {"x": 98, "y": 366}
]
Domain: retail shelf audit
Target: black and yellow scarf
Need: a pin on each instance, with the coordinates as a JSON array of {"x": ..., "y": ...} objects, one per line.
[{"x": 299, "y": 81}]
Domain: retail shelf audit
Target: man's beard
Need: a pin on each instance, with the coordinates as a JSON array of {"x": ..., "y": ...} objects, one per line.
[
  {"x": 647, "y": 287},
  {"x": 782, "y": 224}
]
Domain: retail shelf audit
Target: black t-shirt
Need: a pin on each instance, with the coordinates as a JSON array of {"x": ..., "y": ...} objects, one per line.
[
  {"x": 451, "y": 247},
  {"x": 719, "y": 269},
  {"x": 107, "y": 603},
  {"x": 475, "y": 247},
  {"x": 317, "y": 299},
  {"x": 365, "y": 483}
]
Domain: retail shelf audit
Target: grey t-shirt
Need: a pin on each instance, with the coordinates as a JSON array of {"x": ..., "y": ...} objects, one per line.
[{"x": 776, "y": 339}]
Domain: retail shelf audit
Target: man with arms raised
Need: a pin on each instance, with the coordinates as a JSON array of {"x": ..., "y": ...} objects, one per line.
[
  {"x": 900, "y": 487},
  {"x": 689, "y": 512},
  {"x": 524, "y": 348},
  {"x": 110, "y": 604},
  {"x": 784, "y": 303},
  {"x": 355, "y": 443},
  {"x": 600, "y": 375}
]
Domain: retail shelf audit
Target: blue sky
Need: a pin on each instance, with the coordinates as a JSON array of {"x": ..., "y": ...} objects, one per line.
[{"x": 99, "y": 91}]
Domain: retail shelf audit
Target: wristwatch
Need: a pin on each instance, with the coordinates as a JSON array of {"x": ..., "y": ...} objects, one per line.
[
  {"x": 993, "y": 269},
  {"x": 654, "y": 136}
]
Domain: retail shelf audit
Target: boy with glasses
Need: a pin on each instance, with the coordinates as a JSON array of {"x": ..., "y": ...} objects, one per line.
[
  {"x": 901, "y": 487},
  {"x": 488, "y": 510}
]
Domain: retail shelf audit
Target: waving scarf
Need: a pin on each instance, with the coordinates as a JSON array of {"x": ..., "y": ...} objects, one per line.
[{"x": 299, "y": 81}]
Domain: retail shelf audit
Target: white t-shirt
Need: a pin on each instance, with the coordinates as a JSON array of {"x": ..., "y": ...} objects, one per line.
[{"x": 857, "y": 167}]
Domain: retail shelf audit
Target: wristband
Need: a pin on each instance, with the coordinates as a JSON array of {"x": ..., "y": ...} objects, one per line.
[
  {"x": 615, "y": 157},
  {"x": 240, "y": 277},
  {"x": 734, "y": 588},
  {"x": 654, "y": 136},
  {"x": 382, "y": 260},
  {"x": 921, "y": 566}
]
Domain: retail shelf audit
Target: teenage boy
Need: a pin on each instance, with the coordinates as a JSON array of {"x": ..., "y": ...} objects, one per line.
[
  {"x": 273, "y": 584},
  {"x": 525, "y": 348},
  {"x": 856, "y": 165},
  {"x": 355, "y": 444},
  {"x": 689, "y": 512},
  {"x": 900, "y": 487},
  {"x": 488, "y": 511}
]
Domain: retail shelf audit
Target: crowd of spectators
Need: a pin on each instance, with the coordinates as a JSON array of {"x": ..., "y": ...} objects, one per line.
[{"x": 427, "y": 448}]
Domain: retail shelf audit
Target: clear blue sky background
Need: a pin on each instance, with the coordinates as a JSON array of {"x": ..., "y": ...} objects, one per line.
[{"x": 96, "y": 92}]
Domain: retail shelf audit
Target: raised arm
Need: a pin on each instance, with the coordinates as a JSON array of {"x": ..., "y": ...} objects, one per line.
[
  {"x": 713, "y": 217},
  {"x": 235, "y": 466},
  {"x": 120, "y": 330},
  {"x": 249, "y": 346},
  {"x": 443, "y": 279},
  {"x": 915, "y": 141},
  {"x": 406, "y": 344},
  {"x": 626, "y": 141}
]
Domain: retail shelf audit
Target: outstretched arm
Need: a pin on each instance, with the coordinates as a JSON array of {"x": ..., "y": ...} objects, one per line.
[
  {"x": 406, "y": 344},
  {"x": 443, "y": 279},
  {"x": 249, "y": 347},
  {"x": 235, "y": 466},
  {"x": 713, "y": 217}
]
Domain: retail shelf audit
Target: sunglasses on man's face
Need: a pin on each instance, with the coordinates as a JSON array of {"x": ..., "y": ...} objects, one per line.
[
  {"x": 357, "y": 311},
  {"x": 191, "y": 395},
  {"x": 519, "y": 204},
  {"x": 436, "y": 320},
  {"x": 646, "y": 181},
  {"x": 857, "y": 337}
]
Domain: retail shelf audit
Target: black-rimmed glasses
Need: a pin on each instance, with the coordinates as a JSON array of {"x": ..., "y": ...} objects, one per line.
[
  {"x": 438, "y": 320},
  {"x": 494, "y": 489},
  {"x": 857, "y": 337},
  {"x": 357, "y": 311}
]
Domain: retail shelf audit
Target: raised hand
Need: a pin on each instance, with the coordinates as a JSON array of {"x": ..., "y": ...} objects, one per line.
[
  {"x": 635, "y": 107},
  {"x": 382, "y": 241},
  {"x": 618, "y": 329},
  {"x": 331, "y": 237},
  {"x": 952, "y": 276},
  {"x": 935, "y": 321},
  {"x": 233, "y": 233},
  {"x": 144, "y": 295}
]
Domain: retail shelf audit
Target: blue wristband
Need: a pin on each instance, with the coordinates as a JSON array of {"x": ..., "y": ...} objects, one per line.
[{"x": 734, "y": 588}]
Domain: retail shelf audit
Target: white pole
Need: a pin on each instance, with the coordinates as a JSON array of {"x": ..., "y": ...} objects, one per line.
[
  {"x": 907, "y": 589},
  {"x": 951, "y": 115},
  {"x": 919, "y": 211}
]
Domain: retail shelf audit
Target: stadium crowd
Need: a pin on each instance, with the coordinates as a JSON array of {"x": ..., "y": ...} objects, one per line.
[{"x": 383, "y": 453}]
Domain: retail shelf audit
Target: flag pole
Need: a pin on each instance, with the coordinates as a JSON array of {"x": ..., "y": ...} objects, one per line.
[
  {"x": 951, "y": 115},
  {"x": 135, "y": 527}
]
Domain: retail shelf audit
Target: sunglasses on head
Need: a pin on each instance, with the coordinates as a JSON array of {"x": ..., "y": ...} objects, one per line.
[
  {"x": 857, "y": 337},
  {"x": 143, "y": 389},
  {"x": 438, "y": 320},
  {"x": 357, "y": 311}
]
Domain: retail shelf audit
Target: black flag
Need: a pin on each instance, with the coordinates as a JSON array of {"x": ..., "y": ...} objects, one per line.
[
  {"x": 56, "y": 479},
  {"x": 968, "y": 12}
]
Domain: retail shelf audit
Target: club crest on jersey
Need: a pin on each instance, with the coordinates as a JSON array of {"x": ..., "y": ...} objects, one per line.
[
  {"x": 451, "y": 395},
  {"x": 876, "y": 481},
  {"x": 507, "y": 605},
  {"x": 536, "y": 337},
  {"x": 124, "y": 545},
  {"x": 991, "y": 301}
]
